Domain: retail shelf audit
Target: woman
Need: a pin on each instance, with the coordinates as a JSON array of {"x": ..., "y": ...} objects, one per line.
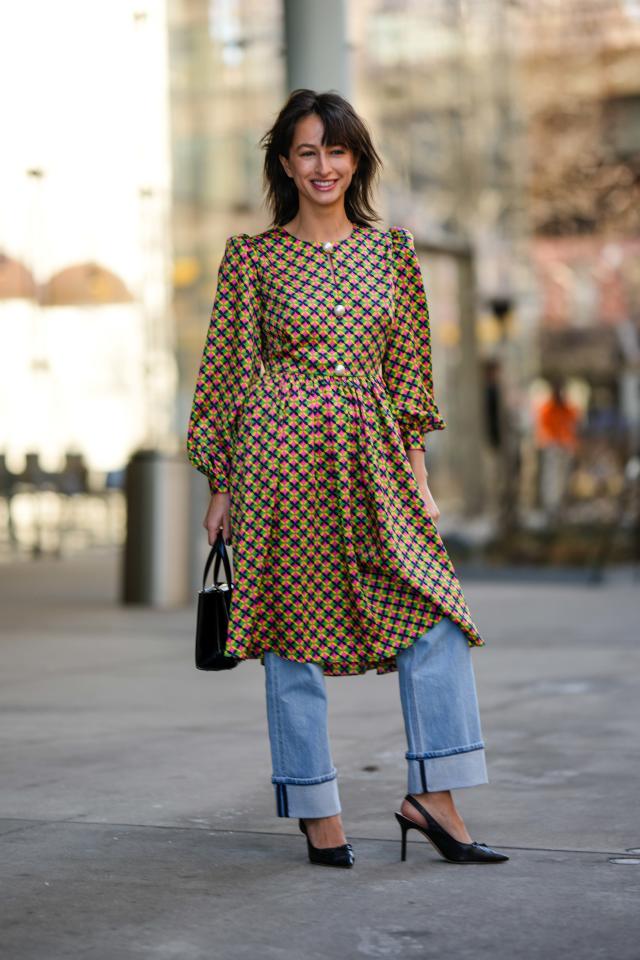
[{"x": 311, "y": 405}]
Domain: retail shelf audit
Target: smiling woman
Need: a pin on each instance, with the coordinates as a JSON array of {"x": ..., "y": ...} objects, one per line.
[{"x": 311, "y": 406}]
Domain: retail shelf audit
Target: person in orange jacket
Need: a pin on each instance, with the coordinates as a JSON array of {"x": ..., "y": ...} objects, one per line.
[{"x": 556, "y": 436}]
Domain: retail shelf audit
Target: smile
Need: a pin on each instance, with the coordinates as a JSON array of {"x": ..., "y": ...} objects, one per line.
[{"x": 324, "y": 184}]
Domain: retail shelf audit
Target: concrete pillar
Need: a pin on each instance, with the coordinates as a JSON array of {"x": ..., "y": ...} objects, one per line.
[{"x": 317, "y": 52}]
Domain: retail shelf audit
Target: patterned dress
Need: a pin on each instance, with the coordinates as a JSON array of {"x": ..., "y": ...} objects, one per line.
[{"x": 315, "y": 381}]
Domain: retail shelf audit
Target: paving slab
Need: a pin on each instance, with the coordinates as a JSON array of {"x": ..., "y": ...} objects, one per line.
[{"x": 139, "y": 818}]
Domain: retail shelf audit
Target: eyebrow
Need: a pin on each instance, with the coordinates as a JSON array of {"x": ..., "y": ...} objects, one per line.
[{"x": 314, "y": 146}]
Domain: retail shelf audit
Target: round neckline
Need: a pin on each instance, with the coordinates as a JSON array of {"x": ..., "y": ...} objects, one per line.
[{"x": 319, "y": 243}]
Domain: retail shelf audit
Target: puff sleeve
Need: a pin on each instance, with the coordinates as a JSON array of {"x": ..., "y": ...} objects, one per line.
[
  {"x": 406, "y": 364},
  {"x": 230, "y": 365}
]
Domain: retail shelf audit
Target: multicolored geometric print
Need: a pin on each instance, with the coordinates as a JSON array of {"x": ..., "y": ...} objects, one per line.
[{"x": 336, "y": 559}]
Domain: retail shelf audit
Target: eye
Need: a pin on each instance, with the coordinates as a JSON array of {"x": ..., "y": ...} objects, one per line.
[{"x": 309, "y": 153}]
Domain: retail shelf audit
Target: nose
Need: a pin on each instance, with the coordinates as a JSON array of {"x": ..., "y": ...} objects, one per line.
[{"x": 323, "y": 166}]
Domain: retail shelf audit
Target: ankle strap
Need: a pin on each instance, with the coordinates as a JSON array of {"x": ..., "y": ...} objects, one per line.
[{"x": 416, "y": 803}]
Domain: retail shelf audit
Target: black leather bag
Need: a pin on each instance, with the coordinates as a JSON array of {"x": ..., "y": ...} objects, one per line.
[{"x": 214, "y": 605}]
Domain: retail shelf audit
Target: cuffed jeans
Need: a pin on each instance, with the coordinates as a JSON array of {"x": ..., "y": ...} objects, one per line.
[{"x": 439, "y": 708}]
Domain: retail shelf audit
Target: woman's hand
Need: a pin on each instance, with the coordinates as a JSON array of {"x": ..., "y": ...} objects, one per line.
[
  {"x": 218, "y": 515},
  {"x": 416, "y": 459},
  {"x": 427, "y": 496}
]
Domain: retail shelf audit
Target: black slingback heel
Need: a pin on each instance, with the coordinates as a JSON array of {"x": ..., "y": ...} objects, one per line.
[
  {"x": 455, "y": 851},
  {"x": 341, "y": 856}
]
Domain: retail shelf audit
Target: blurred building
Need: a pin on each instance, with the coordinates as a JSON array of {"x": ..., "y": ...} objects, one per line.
[
  {"x": 510, "y": 134},
  {"x": 86, "y": 328},
  {"x": 581, "y": 61},
  {"x": 227, "y": 80}
]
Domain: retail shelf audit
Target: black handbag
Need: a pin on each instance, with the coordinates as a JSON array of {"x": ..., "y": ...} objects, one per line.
[{"x": 214, "y": 605}]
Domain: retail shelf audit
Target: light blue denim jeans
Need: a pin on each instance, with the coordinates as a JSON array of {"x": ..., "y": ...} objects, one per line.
[{"x": 439, "y": 708}]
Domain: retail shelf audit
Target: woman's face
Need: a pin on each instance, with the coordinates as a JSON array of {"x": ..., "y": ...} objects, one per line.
[{"x": 322, "y": 174}]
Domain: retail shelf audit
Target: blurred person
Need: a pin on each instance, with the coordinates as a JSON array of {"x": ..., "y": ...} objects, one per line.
[
  {"x": 556, "y": 436},
  {"x": 311, "y": 405},
  {"x": 492, "y": 402}
]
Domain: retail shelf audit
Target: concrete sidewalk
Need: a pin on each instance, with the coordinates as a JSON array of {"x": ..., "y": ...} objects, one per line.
[{"x": 139, "y": 818}]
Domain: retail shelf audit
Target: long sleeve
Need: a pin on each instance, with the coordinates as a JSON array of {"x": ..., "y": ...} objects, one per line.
[
  {"x": 406, "y": 365},
  {"x": 230, "y": 365}
]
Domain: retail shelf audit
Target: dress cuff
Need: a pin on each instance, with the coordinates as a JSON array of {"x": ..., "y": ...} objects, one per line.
[
  {"x": 218, "y": 483},
  {"x": 413, "y": 429},
  {"x": 413, "y": 440}
]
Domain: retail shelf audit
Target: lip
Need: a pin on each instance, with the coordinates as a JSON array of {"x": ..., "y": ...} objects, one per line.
[{"x": 324, "y": 189}]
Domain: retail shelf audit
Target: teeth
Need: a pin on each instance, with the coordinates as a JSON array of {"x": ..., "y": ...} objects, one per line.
[{"x": 323, "y": 183}]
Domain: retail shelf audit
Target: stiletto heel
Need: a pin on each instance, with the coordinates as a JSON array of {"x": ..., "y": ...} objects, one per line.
[
  {"x": 404, "y": 826},
  {"x": 455, "y": 851},
  {"x": 341, "y": 856}
]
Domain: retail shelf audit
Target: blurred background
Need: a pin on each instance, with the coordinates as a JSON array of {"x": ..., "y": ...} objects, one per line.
[{"x": 510, "y": 134}]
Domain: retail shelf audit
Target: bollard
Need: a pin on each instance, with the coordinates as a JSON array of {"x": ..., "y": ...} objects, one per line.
[{"x": 156, "y": 551}]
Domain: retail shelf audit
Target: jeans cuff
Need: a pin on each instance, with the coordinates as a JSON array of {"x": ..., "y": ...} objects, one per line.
[
  {"x": 307, "y": 781},
  {"x": 307, "y": 800},
  {"x": 466, "y": 768}
]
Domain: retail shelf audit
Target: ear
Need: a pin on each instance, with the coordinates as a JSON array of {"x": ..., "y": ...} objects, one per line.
[{"x": 285, "y": 164}]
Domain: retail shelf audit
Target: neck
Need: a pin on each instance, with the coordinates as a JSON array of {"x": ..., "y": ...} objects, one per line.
[{"x": 320, "y": 225}]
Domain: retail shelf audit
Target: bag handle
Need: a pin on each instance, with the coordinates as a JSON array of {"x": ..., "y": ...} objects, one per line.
[{"x": 218, "y": 550}]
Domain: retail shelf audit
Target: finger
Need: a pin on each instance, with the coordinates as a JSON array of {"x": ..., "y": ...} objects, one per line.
[
  {"x": 212, "y": 530},
  {"x": 226, "y": 530}
]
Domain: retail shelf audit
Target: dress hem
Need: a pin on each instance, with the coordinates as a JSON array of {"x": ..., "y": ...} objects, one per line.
[{"x": 339, "y": 667}]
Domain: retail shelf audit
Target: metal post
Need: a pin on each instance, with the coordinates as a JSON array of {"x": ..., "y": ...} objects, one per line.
[{"x": 317, "y": 53}]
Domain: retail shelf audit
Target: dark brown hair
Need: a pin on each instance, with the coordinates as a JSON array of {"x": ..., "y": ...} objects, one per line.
[{"x": 342, "y": 125}]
